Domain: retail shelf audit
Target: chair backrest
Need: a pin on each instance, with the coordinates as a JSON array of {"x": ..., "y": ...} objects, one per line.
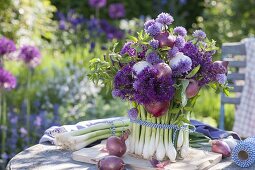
[{"x": 235, "y": 54}]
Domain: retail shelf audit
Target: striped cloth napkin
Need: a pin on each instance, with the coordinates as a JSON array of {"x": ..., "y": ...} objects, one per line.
[{"x": 245, "y": 114}]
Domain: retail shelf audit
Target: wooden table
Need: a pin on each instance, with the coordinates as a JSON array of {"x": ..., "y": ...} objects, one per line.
[{"x": 49, "y": 157}]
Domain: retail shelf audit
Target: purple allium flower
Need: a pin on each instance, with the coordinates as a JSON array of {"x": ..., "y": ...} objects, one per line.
[
  {"x": 6, "y": 46},
  {"x": 154, "y": 29},
  {"x": 149, "y": 88},
  {"x": 123, "y": 83},
  {"x": 172, "y": 52},
  {"x": 180, "y": 64},
  {"x": 97, "y": 3},
  {"x": 139, "y": 66},
  {"x": 149, "y": 23},
  {"x": 30, "y": 55},
  {"x": 7, "y": 80},
  {"x": 180, "y": 31},
  {"x": 221, "y": 78},
  {"x": 154, "y": 44},
  {"x": 165, "y": 19},
  {"x": 127, "y": 49},
  {"x": 153, "y": 58},
  {"x": 199, "y": 34},
  {"x": 116, "y": 10},
  {"x": 179, "y": 42},
  {"x": 133, "y": 113}
]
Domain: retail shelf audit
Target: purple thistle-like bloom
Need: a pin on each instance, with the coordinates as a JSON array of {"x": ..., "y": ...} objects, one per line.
[
  {"x": 97, "y": 3},
  {"x": 7, "y": 80},
  {"x": 154, "y": 44},
  {"x": 133, "y": 113},
  {"x": 180, "y": 31},
  {"x": 172, "y": 52},
  {"x": 149, "y": 88},
  {"x": 221, "y": 78},
  {"x": 143, "y": 52},
  {"x": 199, "y": 34},
  {"x": 153, "y": 58},
  {"x": 180, "y": 64},
  {"x": 148, "y": 23},
  {"x": 165, "y": 19},
  {"x": 179, "y": 42},
  {"x": 6, "y": 46},
  {"x": 30, "y": 55},
  {"x": 117, "y": 10},
  {"x": 127, "y": 49},
  {"x": 154, "y": 29},
  {"x": 123, "y": 83}
]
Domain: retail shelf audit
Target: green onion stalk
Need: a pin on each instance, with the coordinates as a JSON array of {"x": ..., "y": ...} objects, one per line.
[
  {"x": 3, "y": 119},
  {"x": 148, "y": 142},
  {"x": 28, "y": 107}
]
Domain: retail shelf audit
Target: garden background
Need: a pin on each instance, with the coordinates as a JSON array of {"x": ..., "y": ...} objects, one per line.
[{"x": 70, "y": 33}]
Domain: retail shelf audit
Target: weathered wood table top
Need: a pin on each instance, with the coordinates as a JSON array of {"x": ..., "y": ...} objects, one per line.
[{"x": 49, "y": 157}]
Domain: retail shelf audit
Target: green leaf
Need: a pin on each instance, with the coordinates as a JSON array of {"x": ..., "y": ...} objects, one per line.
[
  {"x": 148, "y": 52},
  {"x": 175, "y": 110},
  {"x": 184, "y": 98},
  {"x": 132, "y": 38},
  {"x": 193, "y": 72},
  {"x": 190, "y": 109}
]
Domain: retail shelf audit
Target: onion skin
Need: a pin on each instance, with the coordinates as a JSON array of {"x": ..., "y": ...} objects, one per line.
[
  {"x": 111, "y": 163},
  {"x": 221, "y": 147},
  {"x": 164, "y": 69},
  {"x": 116, "y": 146},
  {"x": 192, "y": 89},
  {"x": 165, "y": 40},
  {"x": 157, "y": 108}
]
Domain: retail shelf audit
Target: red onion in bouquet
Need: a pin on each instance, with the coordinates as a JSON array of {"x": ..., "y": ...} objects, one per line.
[
  {"x": 164, "y": 69},
  {"x": 165, "y": 40},
  {"x": 192, "y": 89},
  {"x": 157, "y": 108}
]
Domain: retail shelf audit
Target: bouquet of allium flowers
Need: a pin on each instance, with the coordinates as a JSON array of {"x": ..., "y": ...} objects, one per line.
[{"x": 160, "y": 73}]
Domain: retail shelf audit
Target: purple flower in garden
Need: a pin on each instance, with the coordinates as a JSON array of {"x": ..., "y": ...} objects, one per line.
[
  {"x": 62, "y": 25},
  {"x": 179, "y": 42},
  {"x": 97, "y": 3},
  {"x": 221, "y": 78},
  {"x": 172, "y": 52},
  {"x": 153, "y": 58},
  {"x": 110, "y": 31},
  {"x": 154, "y": 44},
  {"x": 4, "y": 156},
  {"x": 199, "y": 34},
  {"x": 149, "y": 23},
  {"x": 180, "y": 64},
  {"x": 127, "y": 49},
  {"x": 117, "y": 10},
  {"x": 7, "y": 80},
  {"x": 180, "y": 31},
  {"x": 6, "y": 46},
  {"x": 133, "y": 113},
  {"x": 123, "y": 83},
  {"x": 23, "y": 131},
  {"x": 149, "y": 88},
  {"x": 165, "y": 19},
  {"x": 38, "y": 121},
  {"x": 30, "y": 55},
  {"x": 154, "y": 29}
]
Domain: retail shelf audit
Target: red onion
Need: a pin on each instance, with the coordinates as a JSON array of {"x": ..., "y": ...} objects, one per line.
[
  {"x": 164, "y": 69},
  {"x": 221, "y": 147},
  {"x": 111, "y": 163},
  {"x": 165, "y": 39},
  {"x": 157, "y": 108},
  {"x": 192, "y": 88},
  {"x": 116, "y": 146}
]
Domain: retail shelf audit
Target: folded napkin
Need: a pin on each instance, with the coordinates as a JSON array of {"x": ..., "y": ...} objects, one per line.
[
  {"x": 49, "y": 134},
  {"x": 212, "y": 132}
]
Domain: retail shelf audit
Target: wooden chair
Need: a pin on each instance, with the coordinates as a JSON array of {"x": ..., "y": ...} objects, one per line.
[{"x": 235, "y": 54}]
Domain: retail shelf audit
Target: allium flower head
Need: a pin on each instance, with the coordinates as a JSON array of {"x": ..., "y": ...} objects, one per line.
[
  {"x": 127, "y": 49},
  {"x": 180, "y": 31},
  {"x": 97, "y": 3},
  {"x": 149, "y": 88},
  {"x": 6, "y": 46},
  {"x": 154, "y": 29},
  {"x": 180, "y": 64},
  {"x": 199, "y": 34},
  {"x": 153, "y": 58},
  {"x": 30, "y": 55},
  {"x": 221, "y": 78},
  {"x": 7, "y": 80},
  {"x": 179, "y": 42},
  {"x": 172, "y": 52},
  {"x": 154, "y": 44},
  {"x": 133, "y": 113},
  {"x": 139, "y": 66},
  {"x": 165, "y": 19},
  {"x": 149, "y": 23},
  {"x": 116, "y": 10}
]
